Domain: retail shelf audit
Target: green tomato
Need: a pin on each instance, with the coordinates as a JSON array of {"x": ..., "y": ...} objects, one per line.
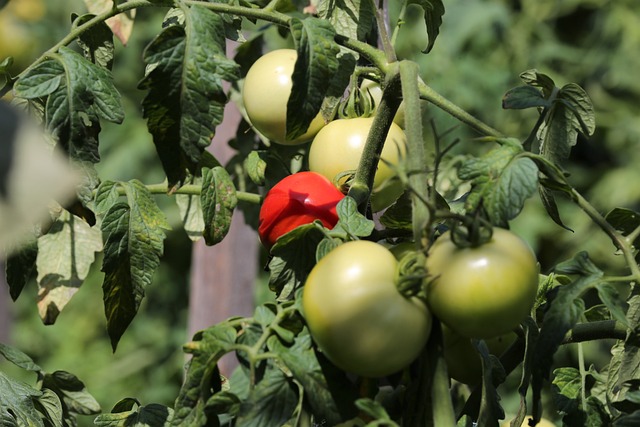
[
  {"x": 484, "y": 291},
  {"x": 356, "y": 315},
  {"x": 463, "y": 361},
  {"x": 265, "y": 94},
  {"x": 338, "y": 146}
]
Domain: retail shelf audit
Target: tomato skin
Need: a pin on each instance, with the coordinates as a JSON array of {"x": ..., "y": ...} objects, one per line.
[
  {"x": 265, "y": 94},
  {"x": 338, "y": 146},
  {"x": 484, "y": 291},
  {"x": 356, "y": 315},
  {"x": 296, "y": 200}
]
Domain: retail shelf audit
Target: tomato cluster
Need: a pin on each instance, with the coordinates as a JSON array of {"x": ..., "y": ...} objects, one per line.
[{"x": 350, "y": 302}]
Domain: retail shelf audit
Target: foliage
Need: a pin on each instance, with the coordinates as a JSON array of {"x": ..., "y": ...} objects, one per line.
[{"x": 549, "y": 143}]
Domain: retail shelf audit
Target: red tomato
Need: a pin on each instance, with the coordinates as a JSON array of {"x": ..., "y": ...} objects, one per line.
[{"x": 296, "y": 200}]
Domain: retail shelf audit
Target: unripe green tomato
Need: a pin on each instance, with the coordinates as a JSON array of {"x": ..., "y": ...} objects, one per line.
[
  {"x": 338, "y": 146},
  {"x": 265, "y": 94},
  {"x": 463, "y": 361},
  {"x": 357, "y": 316},
  {"x": 483, "y": 291}
]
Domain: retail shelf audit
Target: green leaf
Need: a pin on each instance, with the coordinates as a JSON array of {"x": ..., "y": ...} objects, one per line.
[
  {"x": 329, "y": 397},
  {"x": 534, "y": 78},
  {"x": 293, "y": 258},
  {"x": 612, "y": 299},
  {"x": 522, "y": 97},
  {"x": 350, "y": 18},
  {"x": 501, "y": 180},
  {"x": 398, "y": 216},
  {"x": 96, "y": 42},
  {"x": 256, "y": 164},
  {"x": 563, "y": 313},
  {"x": 65, "y": 255},
  {"x": 185, "y": 98},
  {"x": 190, "y": 208},
  {"x": 5, "y": 64},
  {"x": 625, "y": 221},
  {"x": 133, "y": 233},
  {"x": 49, "y": 404},
  {"x": 350, "y": 220},
  {"x": 19, "y": 267},
  {"x": 492, "y": 375},
  {"x": 202, "y": 375},
  {"x": 549, "y": 204},
  {"x": 577, "y": 100},
  {"x": 433, "y": 11},
  {"x": 630, "y": 420},
  {"x": 271, "y": 402},
  {"x": 624, "y": 368},
  {"x": 18, "y": 358},
  {"x": 106, "y": 196},
  {"x": 376, "y": 411},
  {"x": 17, "y": 403},
  {"x": 218, "y": 200},
  {"x": 315, "y": 67},
  {"x": 567, "y": 384},
  {"x": 151, "y": 415},
  {"x": 72, "y": 393},
  {"x": 39, "y": 81},
  {"x": 580, "y": 264}
]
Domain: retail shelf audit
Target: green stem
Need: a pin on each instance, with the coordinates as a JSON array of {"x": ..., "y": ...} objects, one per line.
[
  {"x": 619, "y": 241},
  {"x": 400, "y": 23},
  {"x": 363, "y": 181},
  {"x": 194, "y": 190},
  {"x": 593, "y": 331},
  {"x": 416, "y": 153},
  {"x": 427, "y": 93}
]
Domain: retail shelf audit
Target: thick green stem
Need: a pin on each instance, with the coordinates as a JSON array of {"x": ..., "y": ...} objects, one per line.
[
  {"x": 416, "y": 153},
  {"x": 441, "y": 102},
  {"x": 363, "y": 181},
  {"x": 592, "y": 331}
]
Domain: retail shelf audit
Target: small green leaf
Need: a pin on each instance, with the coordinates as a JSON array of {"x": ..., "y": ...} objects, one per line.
[
  {"x": 502, "y": 180},
  {"x": 376, "y": 411},
  {"x": 18, "y": 358},
  {"x": 350, "y": 220},
  {"x": 537, "y": 79},
  {"x": 50, "y": 405},
  {"x": 625, "y": 221},
  {"x": 72, "y": 393},
  {"x": 351, "y": 18},
  {"x": 255, "y": 164},
  {"x": 316, "y": 65},
  {"x": 151, "y": 415},
  {"x": 17, "y": 403},
  {"x": 65, "y": 255},
  {"x": 96, "y": 42},
  {"x": 19, "y": 267},
  {"x": 628, "y": 420},
  {"x": 398, "y": 216},
  {"x": 612, "y": 299},
  {"x": 39, "y": 81},
  {"x": 567, "y": 384},
  {"x": 218, "y": 200},
  {"x": 580, "y": 264},
  {"x": 492, "y": 375},
  {"x": 522, "y": 97},
  {"x": 433, "y": 11}
]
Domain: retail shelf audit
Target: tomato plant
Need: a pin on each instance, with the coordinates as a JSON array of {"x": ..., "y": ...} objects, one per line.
[
  {"x": 265, "y": 93},
  {"x": 337, "y": 148},
  {"x": 296, "y": 200},
  {"x": 483, "y": 291},
  {"x": 373, "y": 90},
  {"x": 344, "y": 335},
  {"x": 356, "y": 315}
]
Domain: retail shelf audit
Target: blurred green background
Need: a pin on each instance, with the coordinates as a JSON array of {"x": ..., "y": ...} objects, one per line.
[{"x": 482, "y": 48}]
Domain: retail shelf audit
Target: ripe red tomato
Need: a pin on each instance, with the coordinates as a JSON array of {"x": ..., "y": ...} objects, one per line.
[{"x": 296, "y": 200}]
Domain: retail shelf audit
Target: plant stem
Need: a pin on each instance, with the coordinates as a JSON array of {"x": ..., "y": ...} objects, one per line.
[
  {"x": 427, "y": 93},
  {"x": 416, "y": 153},
  {"x": 399, "y": 24},
  {"x": 363, "y": 181},
  {"x": 583, "y": 378},
  {"x": 619, "y": 241},
  {"x": 194, "y": 190},
  {"x": 383, "y": 34},
  {"x": 592, "y": 331}
]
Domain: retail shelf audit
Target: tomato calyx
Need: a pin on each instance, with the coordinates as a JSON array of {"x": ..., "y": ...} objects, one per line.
[
  {"x": 471, "y": 232},
  {"x": 411, "y": 273}
]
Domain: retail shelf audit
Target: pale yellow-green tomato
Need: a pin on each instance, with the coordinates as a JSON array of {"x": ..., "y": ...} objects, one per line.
[
  {"x": 375, "y": 91},
  {"x": 483, "y": 291},
  {"x": 356, "y": 315},
  {"x": 265, "y": 94},
  {"x": 338, "y": 147}
]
